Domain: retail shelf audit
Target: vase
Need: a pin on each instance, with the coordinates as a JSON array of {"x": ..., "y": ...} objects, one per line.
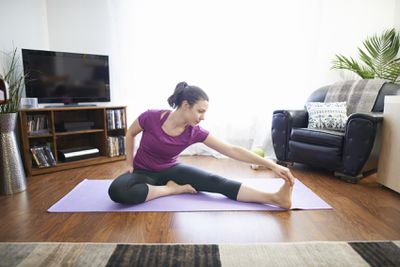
[{"x": 12, "y": 174}]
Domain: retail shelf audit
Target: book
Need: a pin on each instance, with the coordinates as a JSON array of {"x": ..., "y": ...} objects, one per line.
[
  {"x": 37, "y": 124},
  {"x": 42, "y": 156},
  {"x": 116, "y": 146},
  {"x": 116, "y": 119}
]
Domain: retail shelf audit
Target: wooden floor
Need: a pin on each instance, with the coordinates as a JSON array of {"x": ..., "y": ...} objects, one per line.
[{"x": 365, "y": 211}]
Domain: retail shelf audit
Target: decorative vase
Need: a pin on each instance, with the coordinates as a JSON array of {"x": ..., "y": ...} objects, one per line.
[{"x": 12, "y": 174}]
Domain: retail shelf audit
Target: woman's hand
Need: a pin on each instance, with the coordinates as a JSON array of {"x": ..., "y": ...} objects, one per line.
[{"x": 284, "y": 173}]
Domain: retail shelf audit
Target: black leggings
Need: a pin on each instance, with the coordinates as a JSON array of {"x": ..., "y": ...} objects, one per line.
[{"x": 131, "y": 188}]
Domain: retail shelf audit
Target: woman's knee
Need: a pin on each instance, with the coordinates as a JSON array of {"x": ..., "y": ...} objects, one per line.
[
  {"x": 114, "y": 191},
  {"x": 135, "y": 194}
]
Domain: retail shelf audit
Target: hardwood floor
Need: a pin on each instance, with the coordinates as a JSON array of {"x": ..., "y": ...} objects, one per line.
[{"x": 364, "y": 211}]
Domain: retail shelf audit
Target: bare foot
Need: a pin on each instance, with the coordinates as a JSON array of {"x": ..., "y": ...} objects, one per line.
[
  {"x": 283, "y": 197},
  {"x": 180, "y": 189}
]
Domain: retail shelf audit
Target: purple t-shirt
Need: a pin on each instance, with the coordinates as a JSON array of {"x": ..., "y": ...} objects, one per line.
[{"x": 158, "y": 150}]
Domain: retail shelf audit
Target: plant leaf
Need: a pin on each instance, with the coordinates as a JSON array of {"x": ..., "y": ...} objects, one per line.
[{"x": 341, "y": 62}]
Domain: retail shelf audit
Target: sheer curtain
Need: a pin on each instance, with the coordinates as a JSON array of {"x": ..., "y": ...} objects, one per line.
[{"x": 250, "y": 56}]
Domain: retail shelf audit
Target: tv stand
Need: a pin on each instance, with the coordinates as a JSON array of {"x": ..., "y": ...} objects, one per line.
[
  {"x": 71, "y": 105},
  {"x": 42, "y": 139}
]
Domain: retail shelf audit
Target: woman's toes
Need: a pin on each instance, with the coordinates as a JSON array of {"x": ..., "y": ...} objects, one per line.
[{"x": 190, "y": 189}]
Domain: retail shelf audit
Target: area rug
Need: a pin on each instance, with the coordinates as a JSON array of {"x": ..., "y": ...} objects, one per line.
[
  {"x": 318, "y": 253},
  {"x": 92, "y": 196}
]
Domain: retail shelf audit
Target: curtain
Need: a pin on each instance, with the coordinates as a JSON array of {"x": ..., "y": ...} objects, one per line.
[{"x": 250, "y": 56}]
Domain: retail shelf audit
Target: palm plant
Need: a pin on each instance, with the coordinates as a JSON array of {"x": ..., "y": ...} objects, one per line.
[
  {"x": 14, "y": 76},
  {"x": 378, "y": 61}
]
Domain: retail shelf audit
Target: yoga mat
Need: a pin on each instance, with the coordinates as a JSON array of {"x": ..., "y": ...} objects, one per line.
[{"x": 92, "y": 196}]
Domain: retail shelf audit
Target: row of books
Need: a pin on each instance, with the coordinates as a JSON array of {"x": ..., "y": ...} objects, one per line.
[
  {"x": 37, "y": 124},
  {"x": 43, "y": 156},
  {"x": 116, "y": 146},
  {"x": 116, "y": 119}
]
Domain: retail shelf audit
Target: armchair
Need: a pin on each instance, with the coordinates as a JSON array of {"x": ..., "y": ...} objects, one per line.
[{"x": 351, "y": 154}]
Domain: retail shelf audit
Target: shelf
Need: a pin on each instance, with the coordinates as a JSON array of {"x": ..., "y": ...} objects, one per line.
[
  {"x": 100, "y": 159},
  {"x": 41, "y": 109},
  {"x": 80, "y": 132},
  {"x": 75, "y": 164},
  {"x": 118, "y": 129},
  {"x": 40, "y": 135}
]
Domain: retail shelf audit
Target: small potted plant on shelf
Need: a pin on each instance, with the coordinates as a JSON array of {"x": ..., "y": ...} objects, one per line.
[{"x": 12, "y": 174}]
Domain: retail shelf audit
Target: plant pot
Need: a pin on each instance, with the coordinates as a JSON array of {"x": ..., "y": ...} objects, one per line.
[{"x": 12, "y": 174}]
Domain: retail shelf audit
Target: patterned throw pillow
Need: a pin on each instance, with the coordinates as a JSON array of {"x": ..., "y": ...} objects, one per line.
[{"x": 332, "y": 116}]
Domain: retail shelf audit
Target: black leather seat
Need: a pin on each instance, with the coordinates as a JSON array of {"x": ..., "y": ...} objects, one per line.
[{"x": 351, "y": 154}]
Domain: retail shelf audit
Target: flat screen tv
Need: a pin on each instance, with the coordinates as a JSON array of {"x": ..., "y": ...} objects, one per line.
[{"x": 69, "y": 78}]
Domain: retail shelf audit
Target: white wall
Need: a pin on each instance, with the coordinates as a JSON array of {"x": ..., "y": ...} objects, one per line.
[
  {"x": 343, "y": 26},
  {"x": 65, "y": 25},
  {"x": 23, "y": 24},
  {"x": 79, "y": 26}
]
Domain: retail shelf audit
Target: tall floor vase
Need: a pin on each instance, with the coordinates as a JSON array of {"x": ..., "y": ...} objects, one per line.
[{"x": 12, "y": 174}]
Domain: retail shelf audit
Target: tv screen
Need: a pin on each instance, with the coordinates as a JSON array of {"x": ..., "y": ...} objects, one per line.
[{"x": 60, "y": 77}]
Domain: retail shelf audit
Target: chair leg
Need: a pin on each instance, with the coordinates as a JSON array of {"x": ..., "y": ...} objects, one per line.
[
  {"x": 348, "y": 178},
  {"x": 285, "y": 163}
]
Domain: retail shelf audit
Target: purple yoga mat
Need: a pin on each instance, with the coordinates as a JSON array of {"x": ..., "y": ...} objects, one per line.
[{"x": 92, "y": 196}]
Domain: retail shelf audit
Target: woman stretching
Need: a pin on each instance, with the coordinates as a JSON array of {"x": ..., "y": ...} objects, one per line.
[{"x": 154, "y": 171}]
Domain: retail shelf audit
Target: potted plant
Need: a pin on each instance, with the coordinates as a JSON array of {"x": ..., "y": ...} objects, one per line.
[
  {"x": 13, "y": 76},
  {"x": 379, "y": 59},
  {"x": 12, "y": 174}
]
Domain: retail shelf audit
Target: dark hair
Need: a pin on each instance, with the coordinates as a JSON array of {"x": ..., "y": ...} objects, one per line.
[{"x": 190, "y": 93}]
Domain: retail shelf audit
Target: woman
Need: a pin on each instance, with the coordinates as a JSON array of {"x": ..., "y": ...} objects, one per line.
[{"x": 154, "y": 171}]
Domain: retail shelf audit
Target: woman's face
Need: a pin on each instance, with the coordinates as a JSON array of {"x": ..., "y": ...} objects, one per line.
[{"x": 195, "y": 114}]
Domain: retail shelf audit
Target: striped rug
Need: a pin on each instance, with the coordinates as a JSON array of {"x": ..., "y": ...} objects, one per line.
[{"x": 380, "y": 253}]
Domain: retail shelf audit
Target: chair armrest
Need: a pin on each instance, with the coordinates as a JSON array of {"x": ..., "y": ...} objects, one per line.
[
  {"x": 361, "y": 130},
  {"x": 282, "y": 123},
  {"x": 297, "y": 118},
  {"x": 374, "y": 117}
]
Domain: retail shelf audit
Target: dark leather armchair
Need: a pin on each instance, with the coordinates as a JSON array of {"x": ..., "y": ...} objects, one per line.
[{"x": 351, "y": 154}]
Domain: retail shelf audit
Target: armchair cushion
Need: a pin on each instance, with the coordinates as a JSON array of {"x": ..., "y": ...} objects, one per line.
[
  {"x": 331, "y": 116},
  {"x": 318, "y": 137}
]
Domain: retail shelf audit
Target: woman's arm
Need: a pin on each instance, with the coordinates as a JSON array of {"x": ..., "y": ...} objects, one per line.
[
  {"x": 133, "y": 130},
  {"x": 239, "y": 153}
]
